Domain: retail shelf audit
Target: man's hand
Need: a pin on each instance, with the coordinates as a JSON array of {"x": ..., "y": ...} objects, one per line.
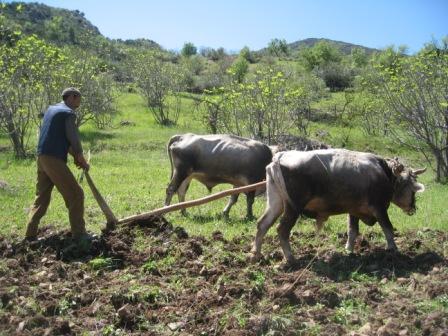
[{"x": 81, "y": 162}]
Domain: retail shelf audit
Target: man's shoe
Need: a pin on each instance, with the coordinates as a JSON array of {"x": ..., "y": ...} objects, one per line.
[
  {"x": 84, "y": 243},
  {"x": 30, "y": 239},
  {"x": 79, "y": 246}
]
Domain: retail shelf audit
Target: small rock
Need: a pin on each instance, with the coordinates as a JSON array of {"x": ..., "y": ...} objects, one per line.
[
  {"x": 388, "y": 329},
  {"x": 402, "y": 281},
  {"x": 124, "y": 313},
  {"x": 173, "y": 326},
  {"x": 41, "y": 274},
  {"x": 365, "y": 329},
  {"x": 94, "y": 308},
  {"x": 383, "y": 331},
  {"x": 403, "y": 332},
  {"x": 275, "y": 307},
  {"x": 3, "y": 184},
  {"x": 384, "y": 281},
  {"x": 308, "y": 297},
  {"x": 203, "y": 271},
  {"x": 354, "y": 319},
  {"x": 21, "y": 326}
]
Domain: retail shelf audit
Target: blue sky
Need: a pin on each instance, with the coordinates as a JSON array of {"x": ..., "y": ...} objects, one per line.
[{"x": 233, "y": 24}]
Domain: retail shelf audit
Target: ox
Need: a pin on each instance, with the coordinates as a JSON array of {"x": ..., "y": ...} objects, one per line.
[
  {"x": 327, "y": 182},
  {"x": 215, "y": 159}
]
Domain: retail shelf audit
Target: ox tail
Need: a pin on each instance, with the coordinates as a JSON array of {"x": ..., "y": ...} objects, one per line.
[
  {"x": 173, "y": 139},
  {"x": 274, "y": 171}
]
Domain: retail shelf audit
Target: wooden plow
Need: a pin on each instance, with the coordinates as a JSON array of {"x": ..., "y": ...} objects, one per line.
[{"x": 112, "y": 220}]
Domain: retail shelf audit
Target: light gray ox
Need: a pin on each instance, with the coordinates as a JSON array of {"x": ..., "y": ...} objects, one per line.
[
  {"x": 214, "y": 159},
  {"x": 327, "y": 182}
]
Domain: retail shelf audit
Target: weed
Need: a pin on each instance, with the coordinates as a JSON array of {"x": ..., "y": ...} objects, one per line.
[
  {"x": 360, "y": 277},
  {"x": 111, "y": 330},
  {"x": 257, "y": 279},
  {"x": 277, "y": 325},
  {"x": 100, "y": 263},
  {"x": 443, "y": 301},
  {"x": 149, "y": 266},
  {"x": 65, "y": 305},
  {"x": 348, "y": 308}
]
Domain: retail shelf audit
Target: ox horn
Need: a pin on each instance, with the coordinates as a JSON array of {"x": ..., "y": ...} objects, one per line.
[{"x": 419, "y": 171}]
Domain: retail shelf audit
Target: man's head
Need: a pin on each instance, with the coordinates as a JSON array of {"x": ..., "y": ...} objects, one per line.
[{"x": 72, "y": 97}]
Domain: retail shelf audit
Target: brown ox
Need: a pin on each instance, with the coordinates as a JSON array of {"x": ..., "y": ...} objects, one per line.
[
  {"x": 214, "y": 159},
  {"x": 322, "y": 183}
]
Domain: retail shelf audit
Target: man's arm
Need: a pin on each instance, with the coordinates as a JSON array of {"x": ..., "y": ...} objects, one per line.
[{"x": 75, "y": 149}]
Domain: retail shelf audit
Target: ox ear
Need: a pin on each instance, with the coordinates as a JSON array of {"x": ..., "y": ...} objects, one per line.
[
  {"x": 418, "y": 187},
  {"x": 418, "y": 171}
]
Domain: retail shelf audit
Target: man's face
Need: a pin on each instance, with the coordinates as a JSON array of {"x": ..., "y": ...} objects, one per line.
[{"x": 74, "y": 101}]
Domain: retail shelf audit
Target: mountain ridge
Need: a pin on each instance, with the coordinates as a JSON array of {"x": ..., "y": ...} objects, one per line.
[{"x": 64, "y": 26}]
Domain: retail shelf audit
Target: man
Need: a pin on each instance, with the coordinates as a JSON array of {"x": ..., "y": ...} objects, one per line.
[{"x": 59, "y": 136}]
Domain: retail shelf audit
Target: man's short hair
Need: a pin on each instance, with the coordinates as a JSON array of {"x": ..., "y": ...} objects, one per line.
[{"x": 70, "y": 91}]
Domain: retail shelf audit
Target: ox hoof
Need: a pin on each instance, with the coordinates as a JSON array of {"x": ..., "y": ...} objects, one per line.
[
  {"x": 392, "y": 249},
  {"x": 291, "y": 262},
  {"x": 349, "y": 249},
  {"x": 255, "y": 257}
]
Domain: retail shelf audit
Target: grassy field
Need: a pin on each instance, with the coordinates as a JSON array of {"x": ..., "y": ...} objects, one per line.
[
  {"x": 131, "y": 169},
  {"x": 190, "y": 275}
]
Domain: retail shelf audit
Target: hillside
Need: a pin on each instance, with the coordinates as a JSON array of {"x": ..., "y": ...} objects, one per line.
[
  {"x": 345, "y": 47},
  {"x": 60, "y": 26},
  {"x": 54, "y": 24}
]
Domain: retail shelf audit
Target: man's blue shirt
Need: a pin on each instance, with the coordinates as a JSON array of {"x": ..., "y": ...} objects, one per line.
[{"x": 53, "y": 139}]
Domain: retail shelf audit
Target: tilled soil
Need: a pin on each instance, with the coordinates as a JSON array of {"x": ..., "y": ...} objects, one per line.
[{"x": 150, "y": 278}]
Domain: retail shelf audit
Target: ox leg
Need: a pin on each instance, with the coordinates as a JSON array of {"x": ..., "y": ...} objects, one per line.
[
  {"x": 274, "y": 208},
  {"x": 386, "y": 226},
  {"x": 352, "y": 232},
  {"x": 233, "y": 199},
  {"x": 173, "y": 186},
  {"x": 284, "y": 231},
  {"x": 181, "y": 193},
  {"x": 250, "y": 197}
]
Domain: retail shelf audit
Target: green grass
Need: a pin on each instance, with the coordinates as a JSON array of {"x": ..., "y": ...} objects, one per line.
[{"x": 130, "y": 167}]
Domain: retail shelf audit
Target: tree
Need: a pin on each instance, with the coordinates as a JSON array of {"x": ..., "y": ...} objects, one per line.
[
  {"x": 188, "y": 49},
  {"x": 239, "y": 69},
  {"x": 30, "y": 70},
  {"x": 321, "y": 54},
  {"x": 260, "y": 107},
  {"x": 160, "y": 83},
  {"x": 415, "y": 88},
  {"x": 214, "y": 54},
  {"x": 359, "y": 57},
  {"x": 247, "y": 55},
  {"x": 278, "y": 47},
  {"x": 326, "y": 60}
]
